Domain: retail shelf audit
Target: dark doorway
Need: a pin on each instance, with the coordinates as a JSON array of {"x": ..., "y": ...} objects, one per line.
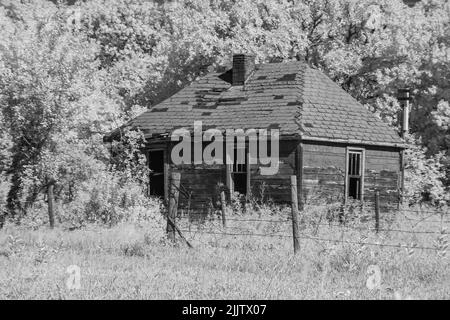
[
  {"x": 239, "y": 171},
  {"x": 156, "y": 165}
]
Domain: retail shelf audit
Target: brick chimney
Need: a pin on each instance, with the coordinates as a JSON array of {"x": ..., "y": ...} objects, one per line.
[
  {"x": 243, "y": 65},
  {"x": 404, "y": 97}
]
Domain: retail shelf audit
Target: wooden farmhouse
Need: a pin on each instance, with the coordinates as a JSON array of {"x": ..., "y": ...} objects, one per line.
[{"x": 333, "y": 144}]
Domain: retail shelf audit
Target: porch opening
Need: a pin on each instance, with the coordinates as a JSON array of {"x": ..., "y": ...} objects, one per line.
[
  {"x": 239, "y": 171},
  {"x": 156, "y": 165}
]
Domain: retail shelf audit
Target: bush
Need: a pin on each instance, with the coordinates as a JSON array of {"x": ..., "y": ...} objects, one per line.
[
  {"x": 36, "y": 216},
  {"x": 102, "y": 200},
  {"x": 106, "y": 200},
  {"x": 424, "y": 176}
]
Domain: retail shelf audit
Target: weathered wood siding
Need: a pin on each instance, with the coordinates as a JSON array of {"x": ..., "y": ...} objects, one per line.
[
  {"x": 276, "y": 187},
  {"x": 382, "y": 173},
  {"x": 322, "y": 176},
  {"x": 324, "y": 173},
  {"x": 202, "y": 181},
  {"x": 199, "y": 185}
]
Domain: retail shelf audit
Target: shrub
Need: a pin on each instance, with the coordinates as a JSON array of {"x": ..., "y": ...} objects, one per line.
[
  {"x": 36, "y": 216},
  {"x": 106, "y": 200},
  {"x": 424, "y": 176},
  {"x": 102, "y": 200}
]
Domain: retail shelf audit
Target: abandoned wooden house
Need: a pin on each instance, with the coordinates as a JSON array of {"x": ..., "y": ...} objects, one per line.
[{"x": 335, "y": 146}]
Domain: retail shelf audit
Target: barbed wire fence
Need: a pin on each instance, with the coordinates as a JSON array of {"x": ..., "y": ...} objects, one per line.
[
  {"x": 234, "y": 232},
  {"x": 221, "y": 226}
]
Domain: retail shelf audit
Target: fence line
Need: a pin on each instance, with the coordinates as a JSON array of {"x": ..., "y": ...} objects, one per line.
[
  {"x": 334, "y": 225},
  {"x": 247, "y": 220},
  {"x": 373, "y": 244},
  {"x": 240, "y": 234},
  {"x": 303, "y": 236},
  {"x": 440, "y": 244},
  {"x": 381, "y": 229},
  {"x": 288, "y": 220}
]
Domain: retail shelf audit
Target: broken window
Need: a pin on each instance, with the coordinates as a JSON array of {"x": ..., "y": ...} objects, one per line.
[{"x": 355, "y": 169}]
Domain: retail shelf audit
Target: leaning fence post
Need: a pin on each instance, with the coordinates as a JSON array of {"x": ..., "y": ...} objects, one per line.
[
  {"x": 173, "y": 204},
  {"x": 224, "y": 208},
  {"x": 294, "y": 206},
  {"x": 377, "y": 210}
]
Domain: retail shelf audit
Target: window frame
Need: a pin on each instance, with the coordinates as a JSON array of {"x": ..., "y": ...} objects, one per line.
[{"x": 362, "y": 152}]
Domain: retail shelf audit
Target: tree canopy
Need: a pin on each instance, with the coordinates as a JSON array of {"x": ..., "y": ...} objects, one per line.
[{"x": 70, "y": 73}]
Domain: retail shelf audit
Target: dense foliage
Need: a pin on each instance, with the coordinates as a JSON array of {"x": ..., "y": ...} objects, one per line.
[{"x": 70, "y": 73}]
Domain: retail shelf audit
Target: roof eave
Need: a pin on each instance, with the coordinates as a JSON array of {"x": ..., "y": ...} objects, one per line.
[
  {"x": 295, "y": 136},
  {"x": 357, "y": 142}
]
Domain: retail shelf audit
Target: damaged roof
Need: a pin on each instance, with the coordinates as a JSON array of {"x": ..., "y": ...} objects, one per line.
[{"x": 292, "y": 97}]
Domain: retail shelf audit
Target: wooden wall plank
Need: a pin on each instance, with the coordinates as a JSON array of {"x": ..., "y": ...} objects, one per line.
[{"x": 320, "y": 169}]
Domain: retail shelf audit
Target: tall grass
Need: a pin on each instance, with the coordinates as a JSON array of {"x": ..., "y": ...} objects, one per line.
[{"x": 127, "y": 262}]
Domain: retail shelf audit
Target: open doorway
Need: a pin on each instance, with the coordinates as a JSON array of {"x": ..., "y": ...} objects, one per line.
[
  {"x": 238, "y": 172},
  {"x": 156, "y": 165}
]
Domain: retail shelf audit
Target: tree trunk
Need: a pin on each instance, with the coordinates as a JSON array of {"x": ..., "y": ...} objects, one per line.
[{"x": 51, "y": 201}]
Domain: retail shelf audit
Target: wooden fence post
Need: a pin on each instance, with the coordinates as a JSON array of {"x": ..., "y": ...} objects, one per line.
[
  {"x": 175, "y": 178},
  {"x": 294, "y": 206},
  {"x": 50, "y": 202},
  {"x": 377, "y": 210},
  {"x": 223, "y": 204}
]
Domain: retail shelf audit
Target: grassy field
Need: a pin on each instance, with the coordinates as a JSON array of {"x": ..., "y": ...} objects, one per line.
[{"x": 126, "y": 262}]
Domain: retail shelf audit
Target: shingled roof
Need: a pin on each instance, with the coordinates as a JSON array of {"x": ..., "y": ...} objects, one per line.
[{"x": 293, "y": 97}]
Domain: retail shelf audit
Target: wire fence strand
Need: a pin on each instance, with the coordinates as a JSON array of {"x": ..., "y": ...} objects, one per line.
[
  {"x": 244, "y": 230},
  {"x": 306, "y": 237}
]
